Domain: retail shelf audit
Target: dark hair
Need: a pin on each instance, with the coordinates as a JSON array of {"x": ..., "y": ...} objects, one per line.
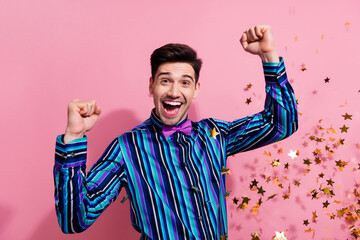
[{"x": 175, "y": 52}]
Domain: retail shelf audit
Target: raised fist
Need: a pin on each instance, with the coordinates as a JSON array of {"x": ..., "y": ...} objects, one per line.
[{"x": 82, "y": 116}]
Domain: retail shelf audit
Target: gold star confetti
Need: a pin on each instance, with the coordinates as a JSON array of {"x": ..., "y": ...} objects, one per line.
[
  {"x": 344, "y": 128},
  {"x": 224, "y": 237},
  {"x": 271, "y": 197},
  {"x": 347, "y": 116},
  {"x": 268, "y": 154},
  {"x": 314, "y": 216},
  {"x": 275, "y": 163},
  {"x": 248, "y": 87},
  {"x": 248, "y": 101},
  {"x": 255, "y": 236},
  {"x": 213, "y": 133},
  {"x": 261, "y": 191},
  {"x": 225, "y": 171},
  {"x": 303, "y": 68},
  {"x": 255, "y": 209}
]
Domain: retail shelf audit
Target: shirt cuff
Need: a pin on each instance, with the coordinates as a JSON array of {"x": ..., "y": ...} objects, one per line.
[
  {"x": 72, "y": 154},
  {"x": 275, "y": 73}
]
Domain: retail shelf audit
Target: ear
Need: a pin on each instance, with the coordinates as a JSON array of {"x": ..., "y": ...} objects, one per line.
[
  {"x": 151, "y": 81},
  {"x": 197, "y": 89}
]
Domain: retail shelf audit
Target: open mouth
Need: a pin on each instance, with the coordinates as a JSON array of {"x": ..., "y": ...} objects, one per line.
[{"x": 171, "y": 108}]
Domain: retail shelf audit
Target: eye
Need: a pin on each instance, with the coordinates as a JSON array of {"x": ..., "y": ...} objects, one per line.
[
  {"x": 187, "y": 83},
  {"x": 164, "y": 80}
]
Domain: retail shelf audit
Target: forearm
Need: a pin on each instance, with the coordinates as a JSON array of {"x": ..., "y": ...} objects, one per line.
[
  {"x": 280, "y": 103},
  {"x": 80, "y": 198},
  {"x": 277, "y": 121}
]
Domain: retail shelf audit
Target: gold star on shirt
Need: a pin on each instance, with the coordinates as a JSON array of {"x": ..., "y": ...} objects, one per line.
[
  {"x": 213, "y": 133},
  {"x": 248, "y": 101}
]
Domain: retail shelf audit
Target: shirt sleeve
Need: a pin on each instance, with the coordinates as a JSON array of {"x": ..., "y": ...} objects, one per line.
[
  {"x": 277, "y": 121},
  {"x": 80, "y": 198}
]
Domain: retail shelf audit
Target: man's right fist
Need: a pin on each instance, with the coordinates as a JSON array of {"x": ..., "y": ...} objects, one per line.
[{"x": 82, "y": 116}]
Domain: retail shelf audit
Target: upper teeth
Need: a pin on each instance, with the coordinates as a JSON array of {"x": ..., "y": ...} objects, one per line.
[{"x": 173, "y": 103}]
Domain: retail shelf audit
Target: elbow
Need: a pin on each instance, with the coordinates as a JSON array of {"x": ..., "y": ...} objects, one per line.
[{"x": 288, "y": 130}]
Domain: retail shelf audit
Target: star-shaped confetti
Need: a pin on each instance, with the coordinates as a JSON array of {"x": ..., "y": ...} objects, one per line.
[
  {"x": 245, "y": 200},
  {"x": 235, "y": 200},
  {"x": 280, "y": 236},
  {"x": 224, "y": 237},
  {"x": 314, "y": 216},
  {"x": 254, "y": 183},
  {"x": 314, "y": 194},
  {"x": 255, "y": 236},
  {"x": 327, "y": 80},
  {"x": 307, "y": 162},
  {"x": 248, "y": 87},
  {"x": 344, "y": 128},
  {"x": 213, "y": 133},
  {"x": 286, "y": 196},
  {"x": 303, "y": 68},
  {"x": 224, "y": 171},
  {"x": 261, "y": 191},
  {"x": 293, "y": 154},
  {"x": 326, "y": 204},
  {"x": 248, "y": 101},
  {"x": 347, "y": 116},
  {"x": 275, "y": 163},
  {"x": 271, "y": 197},
  {"x": 330, "y": 182}
]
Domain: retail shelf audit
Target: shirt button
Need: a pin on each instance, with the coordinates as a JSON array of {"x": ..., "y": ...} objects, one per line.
[
  {"x": 60, "y": 188},
  {"x": 184, "y": 164},
  {"x": 200, "y": 218},
  {"x": 72, "y": 154}
]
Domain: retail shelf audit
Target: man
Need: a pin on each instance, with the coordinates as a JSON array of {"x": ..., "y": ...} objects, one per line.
[{"x": 169, "y": 165}]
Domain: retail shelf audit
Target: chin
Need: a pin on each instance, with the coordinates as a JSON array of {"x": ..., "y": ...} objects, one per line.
[{"x": 169, "y": 122}]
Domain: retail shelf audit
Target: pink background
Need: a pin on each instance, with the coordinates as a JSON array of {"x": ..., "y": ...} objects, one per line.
[{"x": 54, "y": 51}]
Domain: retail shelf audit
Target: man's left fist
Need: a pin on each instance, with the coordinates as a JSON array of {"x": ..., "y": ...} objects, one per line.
[{"x": 259, "y": 40}]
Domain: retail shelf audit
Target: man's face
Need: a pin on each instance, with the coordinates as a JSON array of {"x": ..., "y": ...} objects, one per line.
[{"x": 173, "y": 89}]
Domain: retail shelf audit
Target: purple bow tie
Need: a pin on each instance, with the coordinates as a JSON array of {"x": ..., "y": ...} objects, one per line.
[{"x": 185, "y": 128}]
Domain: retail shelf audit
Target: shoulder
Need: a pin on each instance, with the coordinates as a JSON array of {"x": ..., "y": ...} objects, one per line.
[{"x": 207, "y": 124}]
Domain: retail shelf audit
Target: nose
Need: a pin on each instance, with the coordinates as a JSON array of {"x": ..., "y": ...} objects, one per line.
[{"x": 174, "y": 91}]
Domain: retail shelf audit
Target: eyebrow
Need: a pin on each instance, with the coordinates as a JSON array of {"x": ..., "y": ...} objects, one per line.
[{"x": 169, "y": 74}]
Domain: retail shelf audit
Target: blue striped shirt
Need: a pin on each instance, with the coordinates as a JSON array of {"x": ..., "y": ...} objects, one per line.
[{"x": 174, "y": 185}]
